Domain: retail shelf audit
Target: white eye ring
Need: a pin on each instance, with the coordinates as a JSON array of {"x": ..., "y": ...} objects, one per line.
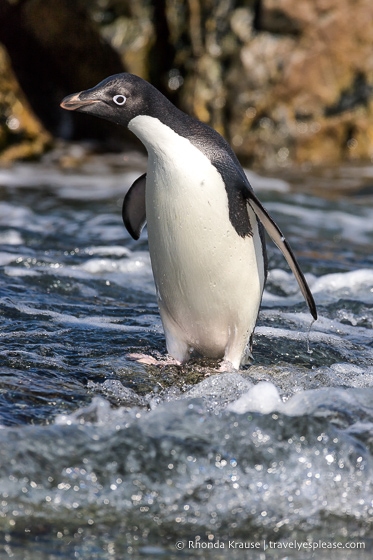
[{"x": 119, "y": 99}]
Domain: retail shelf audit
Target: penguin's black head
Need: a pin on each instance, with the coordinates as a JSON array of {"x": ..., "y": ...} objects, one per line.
[{"x": 118, "y": 98}]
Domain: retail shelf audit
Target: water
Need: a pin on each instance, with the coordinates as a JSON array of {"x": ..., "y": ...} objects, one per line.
[{"x": 103, "y": 457}]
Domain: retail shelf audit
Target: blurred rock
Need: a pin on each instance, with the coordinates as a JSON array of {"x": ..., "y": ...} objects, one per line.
[
  {"x": 300, "y": 88},
  {"x": 21, "y": 134},
  {"x": 54, "y": 49},
  {"x": 128, "y": 28},
  {"x": 212, "y": 44}
]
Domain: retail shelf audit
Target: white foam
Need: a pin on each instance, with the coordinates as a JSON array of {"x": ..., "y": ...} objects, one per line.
[
  {"x": 140, "y": 263},
  {"x": 358, "y": 228},
  {"x": 109, "y": 250},
  {"x": 17, "y": 216},
  {"x": 17, "y": 271},
  {"x": 69, "y": 185},
  {"x": 317, "y": 337},
  {"x": 10, "y": 213},
  {"x": 6, "y": 258},
  {"x": 263, "y": 397},
  {"x": 356, "y": 284},
  {"x": 64, "y": 318},
  {"x": 11, "y": 237},
  {"x": 133, "y": 272}
]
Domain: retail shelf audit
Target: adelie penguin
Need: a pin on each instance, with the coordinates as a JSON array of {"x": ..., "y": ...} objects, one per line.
[{"x": 205, "y": 224}]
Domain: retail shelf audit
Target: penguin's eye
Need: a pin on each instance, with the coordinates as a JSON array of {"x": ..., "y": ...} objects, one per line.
[{"x": 119, "y": 99}]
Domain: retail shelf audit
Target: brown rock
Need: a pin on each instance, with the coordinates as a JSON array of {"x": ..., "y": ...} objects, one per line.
[
  {"x": 306, "y": 79},
  {"x": 22, "y": 136},
  {"x": 205, "y": 43},
  {"x": 130, "y": 32}
]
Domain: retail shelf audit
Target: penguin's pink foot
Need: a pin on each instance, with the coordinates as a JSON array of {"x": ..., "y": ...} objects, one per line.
[
  {"x": 151, "y": 361},
  {"x": 226, "y": 367}
]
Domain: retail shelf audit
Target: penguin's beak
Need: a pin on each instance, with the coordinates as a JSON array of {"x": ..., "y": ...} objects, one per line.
[{"x": 74, "y": 103}]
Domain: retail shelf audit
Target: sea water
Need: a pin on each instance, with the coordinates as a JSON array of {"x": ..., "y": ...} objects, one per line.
[{"x": 104, "y": 457}]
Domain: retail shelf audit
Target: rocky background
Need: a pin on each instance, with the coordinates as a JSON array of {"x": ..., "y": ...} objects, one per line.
[{"x": 285, "y": 81}]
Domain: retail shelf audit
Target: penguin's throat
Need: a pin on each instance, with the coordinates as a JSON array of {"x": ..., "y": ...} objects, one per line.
[{"x": 156, "y": 136}]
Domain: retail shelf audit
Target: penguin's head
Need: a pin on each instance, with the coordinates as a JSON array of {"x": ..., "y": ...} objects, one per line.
[{"x": 118, "y": 99}]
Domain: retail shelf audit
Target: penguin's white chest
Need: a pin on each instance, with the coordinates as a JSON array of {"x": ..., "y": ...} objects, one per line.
[{"x": 209, "y": 279}]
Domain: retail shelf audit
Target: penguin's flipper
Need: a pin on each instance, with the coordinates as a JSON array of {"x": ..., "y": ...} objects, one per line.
[
  {"x": 278, "y": 238},
  {"x": 133, "y": 210}
]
